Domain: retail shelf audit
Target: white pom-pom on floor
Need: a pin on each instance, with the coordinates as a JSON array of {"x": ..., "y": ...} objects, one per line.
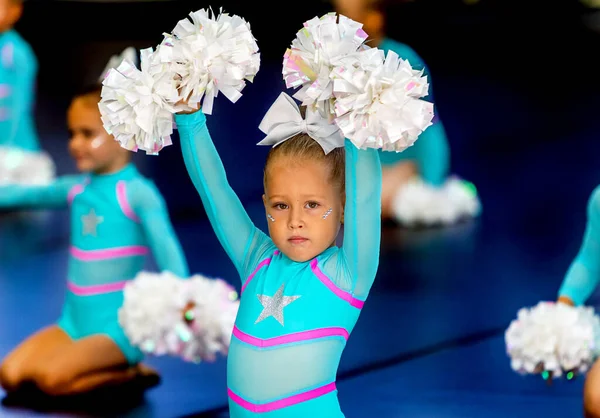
[
  {"x": 212, "y": 55},
  {"x": 135, "y": 105},
  {"x": 321, "y": 45},
  {"x": 193, "y": 318},
  {"x": 417, "y": 203},
  {"x": 553, "y": 339},
  {"x": 25, "y": 168},
  {"x": 382, "y": 107}
]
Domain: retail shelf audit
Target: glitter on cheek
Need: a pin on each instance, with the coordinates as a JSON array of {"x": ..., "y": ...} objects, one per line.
[
  {"x": 270, "y": 217},
  {"x": 326, "y": 214},
  {"x": 97, "y": 142}
]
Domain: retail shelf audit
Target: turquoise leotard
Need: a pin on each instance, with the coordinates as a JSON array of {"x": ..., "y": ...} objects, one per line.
[
  {"x": 288, "y": 368},
  {"x": 584, "y": 273},
  {"x": 116, "y": 220},
  {"x": 18, "y": 71},
  {"x": 431, "y": 152}
]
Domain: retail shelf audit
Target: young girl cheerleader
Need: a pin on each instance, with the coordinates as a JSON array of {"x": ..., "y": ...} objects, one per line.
[
  {"x": 118, "y": 217},
  {"x": 300, "y": 294},
  {"x": 21, "y": 160},
  {"x": 416, "y": 188},
  {"x": 290, "y": 277}
]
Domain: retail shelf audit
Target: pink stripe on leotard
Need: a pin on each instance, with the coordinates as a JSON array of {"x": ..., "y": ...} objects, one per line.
[
  {"x": 77, "y": 189},
  {"x": 282, "y": 403},
  {"x": 95, "y": 289},
  {"x": 263, "y": 263},
  {"x": 123, "y": 203},
  {"x": 342, "y": 294},
  {"x": 4, "y": 90},
  {"x": 108, "y": 253},
  {"x": 312, "y": 334}
]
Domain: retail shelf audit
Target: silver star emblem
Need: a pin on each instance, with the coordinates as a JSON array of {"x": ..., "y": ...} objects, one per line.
[
  {"x": 273, "y": 305},
  {"x": 91, "y": 222}
]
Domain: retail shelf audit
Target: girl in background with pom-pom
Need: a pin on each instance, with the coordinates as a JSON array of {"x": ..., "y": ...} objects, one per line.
[
  {"x": 21, "y": 159},
  {"x": 416, "y": 188},
  {"x": 578, "y": 285},
  {"x": 117, "y": 218},
  {"x": 563, "y": 338}
]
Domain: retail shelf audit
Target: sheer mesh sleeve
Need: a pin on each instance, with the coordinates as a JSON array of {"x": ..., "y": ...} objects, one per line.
[
  {"x": 362, "y": 217},
  {"x": 51, "y": 196},
  {"x": 584, "y": 273},
  {"x": 242, "y": 241},
  {"x": 150, "y": 208}
]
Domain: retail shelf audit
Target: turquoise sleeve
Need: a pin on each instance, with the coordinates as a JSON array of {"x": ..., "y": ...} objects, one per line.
[
  {"x": 433, "y": 154},
  {"x": 241, "y": 240},
  {"x": 20, "y": 102},
  {"x": 431, "y": 151},
  {"x": 362, "y": 217},
  {"x": 149, "y": 206},
  {"x": 584, "y": 273},
  {"x": 54, "y": 195}
]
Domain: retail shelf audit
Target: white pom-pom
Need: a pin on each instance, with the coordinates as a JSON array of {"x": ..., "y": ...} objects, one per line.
[
  {"x": 382, "y": 107},
  {"x": 26, "y": 168},
  {"x": 321, "y": 45},
  {"x": 214, "y": 55},
  {"x": 417, "y": 203},
  {"x": 211, "y": 317},
  {"x": 163, "y": 314},
  {"x": 135, "y": 105},
  {"x": 553, "y": 339}
]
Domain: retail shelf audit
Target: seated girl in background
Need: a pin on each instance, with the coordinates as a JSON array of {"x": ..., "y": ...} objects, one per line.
[
  {"x": 118, "y": 217},
  {"x": 416, "y": 188}
]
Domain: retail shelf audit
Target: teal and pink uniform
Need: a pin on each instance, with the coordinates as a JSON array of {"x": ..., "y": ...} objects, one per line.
[
  {"x": 116, "y": 221},
  {"x": 294, "y": 317}
]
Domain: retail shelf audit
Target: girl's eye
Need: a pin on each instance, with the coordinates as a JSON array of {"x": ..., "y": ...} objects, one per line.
[
  {"x": 312, "y": 205},
  {"x": 87, "y": 133},
  {"x": 280, "y": 206}
]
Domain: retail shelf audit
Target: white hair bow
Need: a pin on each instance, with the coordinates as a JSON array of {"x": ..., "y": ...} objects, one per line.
[
  {"x": 284, "y": 120},
  {"x": 129, "y": 54}
]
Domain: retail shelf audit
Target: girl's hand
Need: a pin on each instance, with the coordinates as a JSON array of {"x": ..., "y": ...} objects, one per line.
[
  {"x": 188, "y": 313},
  {"x": 566, "y": 300},
  {"x": 186, "y": 112}
]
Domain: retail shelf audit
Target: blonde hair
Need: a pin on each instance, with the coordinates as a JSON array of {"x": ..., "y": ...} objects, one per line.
[{"x": 303, "y": 147}]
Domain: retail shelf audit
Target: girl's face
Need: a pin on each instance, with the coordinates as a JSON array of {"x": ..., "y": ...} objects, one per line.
[
  {"x": 304, "y": 208},
  {"x": 92, "y": 148},
  {"x": 362, "y": 11}
]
